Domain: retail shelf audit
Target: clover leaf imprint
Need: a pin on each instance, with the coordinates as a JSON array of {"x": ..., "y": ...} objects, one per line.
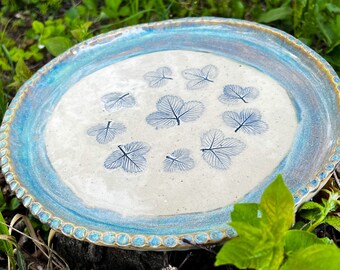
[
  {"x": 172, "y": 110},
  {"x": 159, "y": 77},
  {"x": 130, "y": 157},
  {"x": 237, "y": 94},
  {"x": 116, "y": 101},
  {"x": 248, "y": 120},
  {"x": 199, "y": 78},
  {"x": 218, "y": 150},
  {"x": 179, "y": 160},
  {"x": 105, "y": 133}
]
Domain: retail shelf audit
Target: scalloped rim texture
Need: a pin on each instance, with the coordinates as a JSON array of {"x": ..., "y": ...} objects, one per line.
[{"x": 152, "y": 242}]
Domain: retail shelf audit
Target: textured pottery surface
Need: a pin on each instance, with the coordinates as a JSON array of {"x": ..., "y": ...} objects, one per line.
[{"x": 147, "y": 135}]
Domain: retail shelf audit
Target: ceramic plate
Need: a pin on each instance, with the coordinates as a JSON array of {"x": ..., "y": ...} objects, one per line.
[{"x": 145, "y": 136}]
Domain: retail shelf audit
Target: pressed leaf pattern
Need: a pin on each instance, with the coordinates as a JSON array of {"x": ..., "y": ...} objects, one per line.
[
  {"x": 130, "y": 157},
  {"x": 248, "y": 121},
  {"x": 159, "y": 77},
  {"x": 217, "y": 150},
  {"x": 179, "y": 160},
  {"x": 105, "y": 133},
  {"x": 199, "y": 78},
  {"x": 116, "y": 101},
  {"x": 237, "y": 94},
  {"x": 172, "y": 110}
]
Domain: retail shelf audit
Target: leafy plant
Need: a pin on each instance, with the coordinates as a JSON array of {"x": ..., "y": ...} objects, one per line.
[
  {"x": 265, "y": 242},
  {"x": 324, "y": 212}
]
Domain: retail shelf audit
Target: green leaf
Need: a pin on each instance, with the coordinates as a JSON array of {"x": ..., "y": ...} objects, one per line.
[
  {"x": 315, "y": 257},
  {"x": 311, "y": 205},
  {"x": 13, "y": 204},
  {"x": 333, "y": 8},
  {"x": 38, "y": 27},
  {"x": 22, "y": 71},
  {"x": 296, "y": 240},
  {"x": 245, "y": 254},
  {"x": 277, "y": 207},
  {"x": 57, "y": 45},
  {"x": 281, "y": 13},
  {"x": 333, "y": 221},
  {"x": 247, "y": 213}
]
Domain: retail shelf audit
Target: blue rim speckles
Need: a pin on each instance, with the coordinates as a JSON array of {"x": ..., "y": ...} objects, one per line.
[
  {"x": 230, "y": 232},
  {"x": 93, "y": 236},
  {"x": 35, "y": 208},
  {"x": 335, "y": 158},
  {"x": 155, "y": 241},
  {"x": 5, "y": 169},
  {"x": 109, "y": 238},
  {"x": 186, "y": 240},
  {"x": 3, "y": 152},
  {"x": 79, "y": 233},
  {"x": 44, "y": 216},
  {"x": 170, "y": 241},
  {"x": 123, "y": 239},
  {"x": 201, "y": 238},
  {"x": 138, "y": 241},
  {"x": 9, "y": 177},
  {"x": 314, "y": 183},
  {"x": 26, "y": 201},
  {"x": 330, "y": 167},
  {"x": 68, "y": 229},
  {"x": 20, "y": 192},
  {"x": 216, "y": 235},
  {"x": 55, "y": 223},
  {"x": 13, "y": 185}
]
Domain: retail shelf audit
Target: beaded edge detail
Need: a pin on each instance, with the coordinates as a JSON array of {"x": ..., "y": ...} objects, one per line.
[{"x": 151, "y": 242}]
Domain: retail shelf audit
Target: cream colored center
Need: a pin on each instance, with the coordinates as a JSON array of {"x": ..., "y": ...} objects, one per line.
[{"x": 78, "y": 158}]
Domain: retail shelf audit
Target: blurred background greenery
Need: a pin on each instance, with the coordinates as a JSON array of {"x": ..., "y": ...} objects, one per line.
[{"x": 32, "y": 32}]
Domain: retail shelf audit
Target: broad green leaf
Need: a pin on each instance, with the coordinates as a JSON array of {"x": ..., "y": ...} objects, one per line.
[
  {"x": 333, "y": 221},
  {"x": 296, "y": 240},
  {"x": 311, "y": 205},
  {"x": 247, "y": 213},
  {"x": 57, "y": 45},
  {"x": 281, "y": 13},
  {"x": 315, "y": 257},
  {"x": 245, "y": 254},
  {"x": 38, "y": 27},
  {"x": 277, "y": 207}
]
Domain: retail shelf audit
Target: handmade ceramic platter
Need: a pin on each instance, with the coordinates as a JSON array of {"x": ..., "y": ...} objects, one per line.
[{"x": 145, "y": 136}]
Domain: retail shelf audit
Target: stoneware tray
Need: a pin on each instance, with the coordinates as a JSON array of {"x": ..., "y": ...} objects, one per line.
[{"x": 145, "y": 136}]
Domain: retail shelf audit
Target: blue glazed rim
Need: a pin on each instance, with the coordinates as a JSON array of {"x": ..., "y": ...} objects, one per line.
[{"x": 141, "y": 240}]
